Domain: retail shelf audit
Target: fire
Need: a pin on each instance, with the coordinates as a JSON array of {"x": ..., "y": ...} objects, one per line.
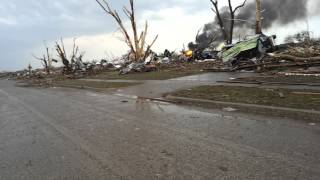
[{"x": 189, "y": 53}]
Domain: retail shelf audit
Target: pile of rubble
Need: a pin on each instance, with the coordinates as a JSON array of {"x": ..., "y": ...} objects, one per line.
[
  {"x": 7, "y": 75},
  {"x": 153, "y": 62},
  {"x": 261, "y": 54},
  {"x": 258, "y": 53}
]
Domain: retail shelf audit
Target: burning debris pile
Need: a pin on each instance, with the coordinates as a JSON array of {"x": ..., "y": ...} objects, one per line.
[
  {"x": 258, "y": 52},
  {"x": 232, "y": 22}
]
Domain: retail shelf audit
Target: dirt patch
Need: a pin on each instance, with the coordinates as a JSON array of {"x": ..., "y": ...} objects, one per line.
[{"x": 301, "y": 99}]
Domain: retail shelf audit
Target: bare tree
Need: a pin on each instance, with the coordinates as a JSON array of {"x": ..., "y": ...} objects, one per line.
[
  {"x": 46, "y": 60},
  {"x": 63, "y": 55},
  {"x": 216, "y": 10},
  {"x": 75, "y": 56},
  {"x": 137, "y": 43},
  {"x": 228, "y": 36},
  {"x": 232, "y": 16}
]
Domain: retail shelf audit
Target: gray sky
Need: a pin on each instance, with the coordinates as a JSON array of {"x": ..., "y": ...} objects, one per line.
[{"x": 25, "y": 25}]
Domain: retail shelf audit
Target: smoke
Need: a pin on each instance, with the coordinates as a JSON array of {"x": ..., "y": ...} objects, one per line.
[
  {"x": 275, "y": 12},
  {"x": 210, "y": 34},
  {"x": 314, "y": 7}
]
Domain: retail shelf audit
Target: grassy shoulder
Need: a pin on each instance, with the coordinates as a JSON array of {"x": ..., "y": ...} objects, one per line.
[
  {"x": 293, "y": 79},
  {"x": 301, "y": 99},
  {"x": 74, "y": 83},
  {"x": 164, "y": 72},
  {"x": 91, "y": 84},
  {"x": 157, "y": 75}
]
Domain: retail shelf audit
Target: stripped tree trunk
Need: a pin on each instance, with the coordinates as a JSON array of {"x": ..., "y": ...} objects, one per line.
[
  {"x": 137, "y": 44},
  {"x": 46, "y": 60},
  {"x": 232, "y": 16},
  {"x": 228, "y": 36},
  {"x": 258, "y": 17}
]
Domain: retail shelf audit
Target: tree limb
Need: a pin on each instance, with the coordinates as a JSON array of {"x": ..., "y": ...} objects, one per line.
[
  {"x": 240, "y": 6},
  {"x": 221, "y": 24},
  {"x": 138, "y": 43}
]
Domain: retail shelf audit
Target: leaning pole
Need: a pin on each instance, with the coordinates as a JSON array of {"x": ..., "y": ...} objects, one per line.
[{"x": 258, "y": 17}]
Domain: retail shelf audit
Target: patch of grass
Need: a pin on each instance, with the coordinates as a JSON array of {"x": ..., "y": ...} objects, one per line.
[
  {"x": 92, "y": 84},
  {"x": 164, "y": 72},
  {"x": 156, "y": 75},
  {"x": 250, "y": 95},
  {"x": 282, "y": 79}
]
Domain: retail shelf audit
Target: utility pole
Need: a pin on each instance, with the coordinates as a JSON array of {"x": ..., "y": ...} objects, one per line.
[
  {"x": 258, "y": 17},
  {"x": 29, "y": 69}
]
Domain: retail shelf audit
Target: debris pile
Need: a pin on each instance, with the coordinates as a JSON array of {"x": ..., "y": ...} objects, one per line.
[
  {"x": 261, "y": 54},
  {"x": 297, "y": 56},
  {"x": 137, "y": 67},
  {"x": 307, "y": 49},
  {"x": 7, "y": 75}
]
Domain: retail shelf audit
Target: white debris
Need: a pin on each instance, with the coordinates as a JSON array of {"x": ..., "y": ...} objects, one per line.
[{"x": 229, "y": 109}]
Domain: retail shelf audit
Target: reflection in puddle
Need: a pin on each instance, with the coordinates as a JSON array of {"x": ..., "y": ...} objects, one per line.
[
  {"x": 127, "y": 96},
  {"x": 143, "y": 104}
]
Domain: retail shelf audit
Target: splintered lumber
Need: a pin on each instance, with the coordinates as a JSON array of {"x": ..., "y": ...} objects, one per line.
[
  {"x": 250, "y": 66},
  {"x": 282, "y": 65},
  {"x": 306, "y": 93},
  {"x": 294, "y": 58},
  {"x": 297, "y": 64}
]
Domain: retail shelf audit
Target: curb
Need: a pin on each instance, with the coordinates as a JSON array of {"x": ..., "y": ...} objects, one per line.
[
  {"x": 61, "y": 86},
  {"x": 81, "y": 87},
  {"x": 298, "y": 114}
]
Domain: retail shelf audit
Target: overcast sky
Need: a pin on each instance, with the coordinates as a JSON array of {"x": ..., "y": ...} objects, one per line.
[{"x": 26, "y": 25}]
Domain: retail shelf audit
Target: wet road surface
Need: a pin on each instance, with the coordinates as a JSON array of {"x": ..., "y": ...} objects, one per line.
[
  {"x": 75, "y": 134},
  {"x": 156, "y": 88}
]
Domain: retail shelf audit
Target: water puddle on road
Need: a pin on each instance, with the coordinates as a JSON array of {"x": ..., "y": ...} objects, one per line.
[
  {"x": 127, "y": 96},
  {"x": 159, "y": 106}
]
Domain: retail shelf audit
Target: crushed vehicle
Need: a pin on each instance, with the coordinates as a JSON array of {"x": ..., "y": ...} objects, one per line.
[
  {"x": 248, "y": 51},
  {"x": 207, "y": 54},
  {"x": 200, "y": 54}
]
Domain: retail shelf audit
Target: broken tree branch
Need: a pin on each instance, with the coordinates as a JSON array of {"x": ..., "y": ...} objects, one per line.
[
  {"x": 228, "y": 36},
  {"x": 216, "y": 10},
  {"x": 46, "y": 60},
  {"x": 232, "y": 16},
  {"x": 240, "y": 6},
  {"x": 106, "y": 7}
]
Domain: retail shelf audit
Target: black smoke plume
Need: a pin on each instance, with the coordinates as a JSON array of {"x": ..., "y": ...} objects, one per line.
[
  {"x": 282, "y": 12},
  {"x": 275, "y": 12}
]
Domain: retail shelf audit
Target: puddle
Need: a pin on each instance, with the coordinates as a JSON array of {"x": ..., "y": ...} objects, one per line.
[
  {"x": 127, "y": 96},
  {"x": 229, "y": 109}
]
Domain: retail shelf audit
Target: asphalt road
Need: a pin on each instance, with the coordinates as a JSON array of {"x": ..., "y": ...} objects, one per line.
[{"x": 75, "y": 134}]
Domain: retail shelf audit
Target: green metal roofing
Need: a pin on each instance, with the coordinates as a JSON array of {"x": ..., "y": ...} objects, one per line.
[{"x": 238, "y": 48}]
